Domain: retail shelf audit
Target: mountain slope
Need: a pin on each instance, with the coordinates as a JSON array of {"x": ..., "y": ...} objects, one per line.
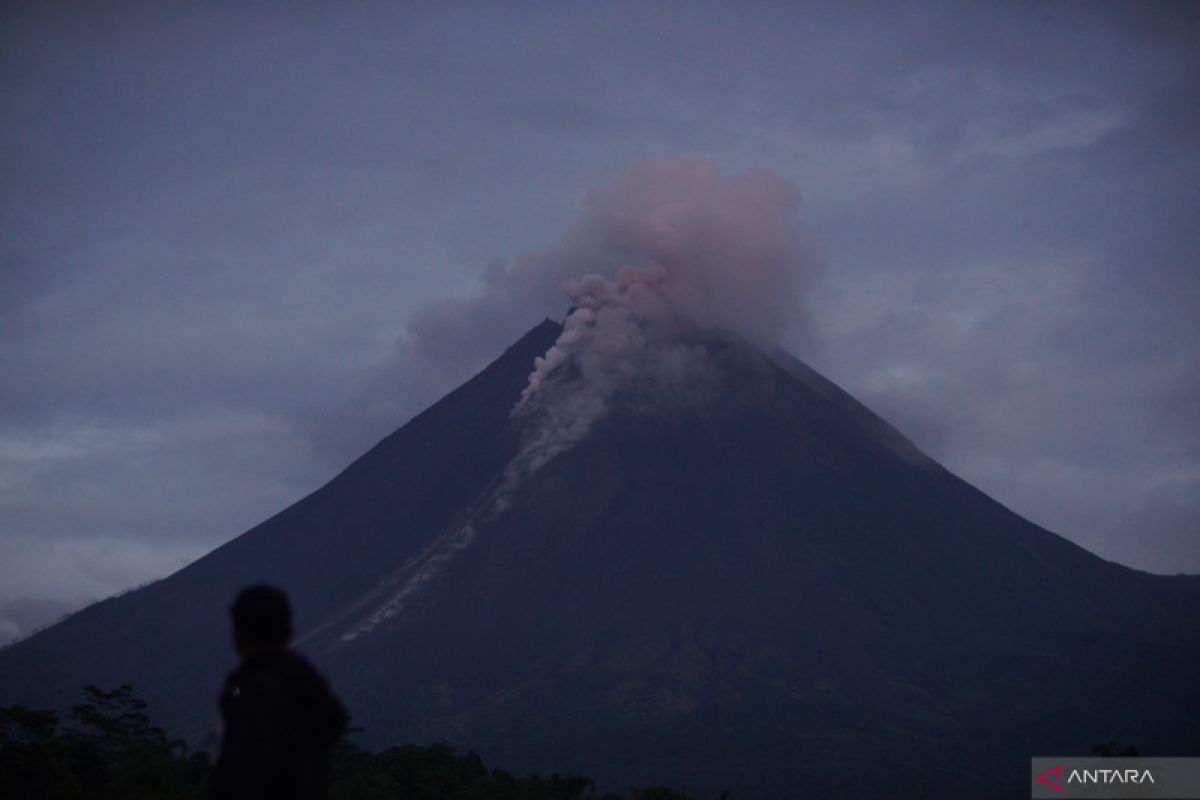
[
  {"x": 171, "y": 640},
  {"x": 759, "y": 585}
]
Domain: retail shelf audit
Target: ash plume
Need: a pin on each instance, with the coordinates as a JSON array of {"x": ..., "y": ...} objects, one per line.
[
  {"x": 664, "y": 259},
  {"x": 730, "y": 244},
  {"x": 697, "y": 252}
]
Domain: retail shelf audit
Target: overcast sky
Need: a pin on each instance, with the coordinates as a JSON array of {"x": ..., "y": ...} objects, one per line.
[{"x": 238, "y": 242}]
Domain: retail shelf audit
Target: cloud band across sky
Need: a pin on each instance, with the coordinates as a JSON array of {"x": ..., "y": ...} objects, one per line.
[{"x": 240, "y": 244}]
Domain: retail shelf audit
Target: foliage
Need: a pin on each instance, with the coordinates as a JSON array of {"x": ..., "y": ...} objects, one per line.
[
  {"x": 437, "y": 771},
  {"x": 109, "y": 749}
]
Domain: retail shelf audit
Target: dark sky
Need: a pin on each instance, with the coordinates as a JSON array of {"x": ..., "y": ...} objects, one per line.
[{"x": 243, "y": 241}]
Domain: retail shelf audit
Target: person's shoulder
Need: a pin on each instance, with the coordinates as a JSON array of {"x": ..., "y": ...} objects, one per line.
[
  {"x": 314, "y": 690},
  {"x": 296, "y": 662},
  {"x": 296, "y": 659},
  {"x": 249, "y": 671},
  {"x": 300, "y": 671}
]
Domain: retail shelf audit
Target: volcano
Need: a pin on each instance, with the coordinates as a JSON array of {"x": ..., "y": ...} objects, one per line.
[{"x": 750, "y": 583}]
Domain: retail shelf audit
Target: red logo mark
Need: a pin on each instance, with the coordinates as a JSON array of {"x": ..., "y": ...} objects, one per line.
[{"x": 1057, "y": 770}]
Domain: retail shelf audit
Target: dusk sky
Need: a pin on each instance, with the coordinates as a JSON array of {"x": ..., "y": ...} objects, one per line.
[{"x": 241, "y": 242}]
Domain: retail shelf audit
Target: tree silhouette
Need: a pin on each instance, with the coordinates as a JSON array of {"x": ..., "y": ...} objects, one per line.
[{"x": 110, "y": 750}]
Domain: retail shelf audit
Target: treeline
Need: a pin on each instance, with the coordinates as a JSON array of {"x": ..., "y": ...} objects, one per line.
[{"x": 107, "y": 748}]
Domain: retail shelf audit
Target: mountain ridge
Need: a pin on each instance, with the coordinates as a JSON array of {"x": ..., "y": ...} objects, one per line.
[{"x": 761, "y": 587}]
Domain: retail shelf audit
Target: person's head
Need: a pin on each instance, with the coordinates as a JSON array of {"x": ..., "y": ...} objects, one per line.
[{"x": 262, "y": 620}]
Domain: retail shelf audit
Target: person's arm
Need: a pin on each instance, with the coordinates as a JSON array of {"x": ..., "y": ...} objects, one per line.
[
  {"x": 330, "y": 715},
  {"x": 248, "y": 742}
]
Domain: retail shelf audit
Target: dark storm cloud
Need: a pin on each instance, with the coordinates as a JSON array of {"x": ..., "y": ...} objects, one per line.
[{"x": 239, "y": 243}]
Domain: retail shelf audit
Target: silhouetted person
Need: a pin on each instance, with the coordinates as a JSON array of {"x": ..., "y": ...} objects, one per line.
[{"x": 281, "y": 718}]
